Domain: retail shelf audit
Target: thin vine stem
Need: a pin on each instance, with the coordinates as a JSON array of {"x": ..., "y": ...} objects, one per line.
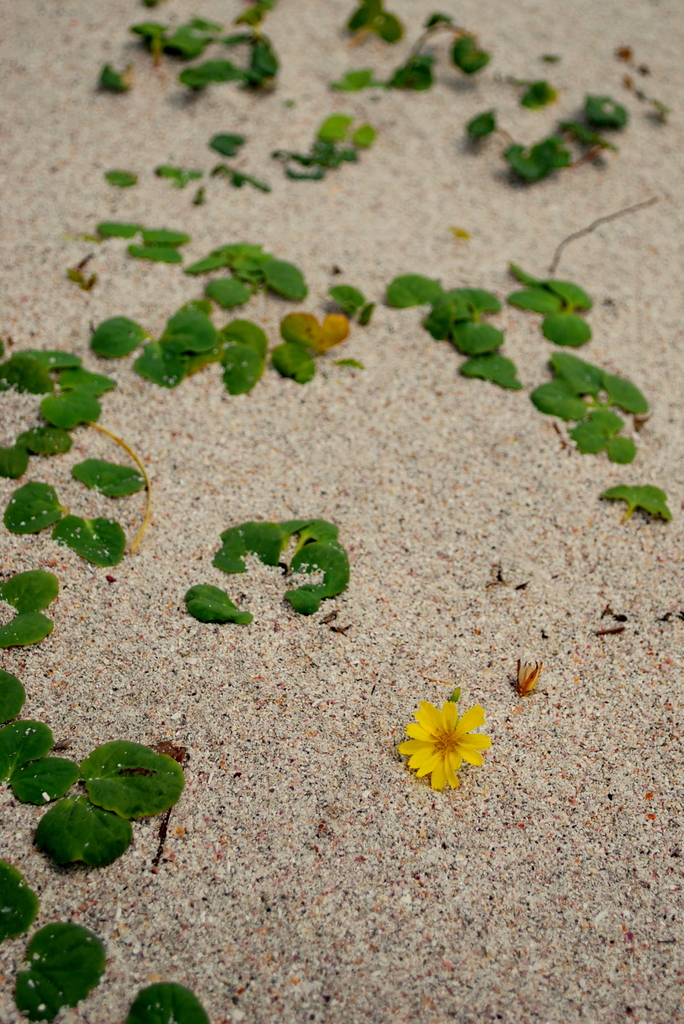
[
  {"x": 594, "y": 224},
  {"x": 141, "y": 532}
]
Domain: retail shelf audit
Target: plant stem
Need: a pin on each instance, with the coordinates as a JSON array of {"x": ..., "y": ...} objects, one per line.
[
  {"x": 148, "y": 486},
  {"x": 601, "y": 220}
]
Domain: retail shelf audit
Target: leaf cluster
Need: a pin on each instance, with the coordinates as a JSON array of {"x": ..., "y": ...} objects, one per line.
[
  {"x": 304, "y": 335},
  {"x": 255, "y": 269},
  {"x": 559, "y": 300},
  {"x": 370, "y": 16},
  {"x": 187, "y": 41},
  {"x": 317, "y": 550},
  {"x": 335, "y": 144},
  {"x": 259, "y": 73},
  {"x": 352, "y": 301}
]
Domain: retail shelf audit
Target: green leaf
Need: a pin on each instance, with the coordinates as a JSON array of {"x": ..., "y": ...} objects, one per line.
[
  {"x": 247, "y": 333},
  {"x": 12, "y": 697},
  {"x": 117, "y": 337},
  {"x": 117, "y": 229},
  {"x": 31, "y": 508},
  {"x": 228, "y": 292},
  {"x": 651, "y": 499},
  {"x": 21, "y": 742},
  {"x": 66, "y": 962},
  {"x": 566, "y": 329},
  {"x": 482, "y": 125},
  {"x": 75, "y": 829},
  {"x": 584, "y": 136},
  {"x": 603, "y": 112},
  {"x": 70, "y": 408},
  {"x": 30, "y": 628},
  {"x": 285, "y": 279},
  {"x": 30, "y": 591},
  {"x": 350, "y": 299},
  {"x": 583, "y": 378},
  {"x": 477, "y": 300},
  {"x": 210, "y": 604},
  {"x": 13, "y": 461},
  {"x": 589, "y": 437},
  {"x": 366, "y": 314},
  {"x": 46, "y": 779},
  {"x": 539, "y": 300},
  {"x": 212, "y": 71},
  {"x": 122, "y": 179},
  {"x": 335, "y": 128},
  {"x": 495, "y": 367},
  {"x": 388, "y": 27},
  {"x": 467, "y": 56},
  {"x": 624, "y": 394},
  {"x": 18, "y": 903},
  {"x": 413, "y": 290},
  {"x": 448, "y": 310},
  {"x": 265, "y": 540},
  {"x": 311, "y": 530},
  {"x": 331, "y": 559},
  {"x": 364, "y": 136},
  {"x": 52, "y": 359},
  {"x": 83, "y": 380},
  {"x": 132, "y": 780},
  {"x": 114, "y": 81},
  {"x": 572, "y": 295},
  {"x": 291, "y": 360},
  {"x": 353, "y": 363},
  {"x": 100, "y": 541},
  {"x": 539, "y": 160},
  {"x": 164, "y": 238},
  {"x": 161, "y": 363},
  {"x": 474, "y": 339},
  {"x": 166, "y": 1003},
  {"x": 27, "y": 374},
  {"x": 242, "y": 368},
  {"x": 523, "y": 277},
  {"x": 190, "y": 331},
  {"x": 607, "y": 420},
  {"x": 538, "y": 95},
  {"x": 621, "y": 450},
  {"x": 155, "y": 252},
  {"x": 227, "y": 144},
  {"x": 558, "y": 399},
  {"x": 415, "y": 74},
  {"x": 108, "y": 477},
  {"x": 177, "y": 175},
  {"x": 45, "y": 440},
  {"x": 354, "y": 81}
]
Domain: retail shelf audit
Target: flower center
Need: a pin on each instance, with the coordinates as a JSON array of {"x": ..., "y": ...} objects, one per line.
[{"x": 446, "y": 743}]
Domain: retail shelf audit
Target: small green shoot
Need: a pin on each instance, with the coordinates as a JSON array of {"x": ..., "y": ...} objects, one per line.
[
  {"x": 121, "y": 179},
  {"x": 651, "y": 499},
  {"x": 327, "y": 151},
  {"x": 177, "y": 175}
]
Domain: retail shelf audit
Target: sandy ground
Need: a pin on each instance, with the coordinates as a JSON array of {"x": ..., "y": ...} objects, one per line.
[{"x": 307, "y": 875}]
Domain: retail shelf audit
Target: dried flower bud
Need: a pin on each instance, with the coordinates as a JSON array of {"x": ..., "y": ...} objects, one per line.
[{"x": 528, "y": 677}]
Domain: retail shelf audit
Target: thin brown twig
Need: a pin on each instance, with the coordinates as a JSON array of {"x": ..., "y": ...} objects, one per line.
[
  {"x": 592, "y": 227},
  {"x": 141, "y": 532}
]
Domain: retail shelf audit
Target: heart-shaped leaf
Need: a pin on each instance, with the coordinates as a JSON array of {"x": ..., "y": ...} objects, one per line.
[
  {"x": 66, "y": 962},
  {"x": 329, "y": 558},
  {"x": 482, "y": 125},
  {"x": 45, "y": 440},
  {"x": 566, "y": 329},
  {"x": 12, "y": 697},
  {"x": 538, "y": 95},
  {"x": 83, "y": 380},
  {"x": 589, "y": 437},
  {"x": 75, "y": 829},
  {"x": 52, "y": 359},
  {"x": 21, "y": 742},
  {"x": 43, "y": 780},
  {"x": 335, "y": 128},
  {"x": 30, "y": 628},
  {"x": 30, "y": 591},
  {"x": 285, "y": 279},
  {"x": 242, "y": 368},
  {"x": 413, "y": 290},
  {"x": 539, "y": 160},
  {"x": 651, "y": 499},
  {"x": 624, "y": 394},
  {"x": 227, "y": 144},
  {"x": 161, "y": 363},
  {"x": 13, "y": 461},
  {"x": 291, "y": 360},
  {"x": 100, "y": 541},
  {"x": 31, "y": 508},
  {"x": 415, "y": 74},
  {"x": 539, "y": 300},
  {"x": 621, "y": 450},
  {"x": 108, "y": 477},
  {"x": 18, "y": 903},
  {"x": 190, "y": 331},
  {"x": 467, "y": 56},
  {"x": 228, "y": 292},
  {"x": 304, "y": 329},
  {"x": 210, "y": 604},
  {"x": 265, "y": 540},
  {"x": 246, "y": 333},
  {"x": 495, "y": 367},
  {"x": 583, "y": 378},
  {"x": 117, "y": 337},
  {"x": 132, "y": 780},
  {"x": 556, "y": 398},
  {"x": 166, "y": 1003},
  {"x": 26, "y": 374},
  {"x": 70, "y": 408},
  {"x": 475, "y": 338}
]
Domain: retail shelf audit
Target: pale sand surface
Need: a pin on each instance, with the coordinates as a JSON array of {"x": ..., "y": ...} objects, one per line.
[{"x": 307, "y": 875}]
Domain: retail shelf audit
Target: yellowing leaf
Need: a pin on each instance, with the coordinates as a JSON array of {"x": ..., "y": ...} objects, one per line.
[{"x": 304, "y": 329}]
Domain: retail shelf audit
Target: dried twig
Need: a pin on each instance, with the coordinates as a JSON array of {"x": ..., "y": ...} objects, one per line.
[{"x": 592, "y": 227}]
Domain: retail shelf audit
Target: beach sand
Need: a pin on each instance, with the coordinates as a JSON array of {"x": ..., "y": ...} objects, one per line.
[{"x": 307, "y": 874}]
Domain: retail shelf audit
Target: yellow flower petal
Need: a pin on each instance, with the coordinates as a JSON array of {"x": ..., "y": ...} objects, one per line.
[
  {"x": 471, "y": 756},
  {"x": 449, "y": 715},
  {"x": 429, "y": 717},
  {"x": 430, "y": 764},
  {"x": 413, "y": 746},
  {"x": 417, "y": 760},
  {"x": 452, "y": 778},
  {"x": 417, "y": 732},
  {"x": 477, "y": 741},
  {"x": 438, "y": 777},
  {"x": 456, "y": 760},
  {"x": 470, "y": 721}
]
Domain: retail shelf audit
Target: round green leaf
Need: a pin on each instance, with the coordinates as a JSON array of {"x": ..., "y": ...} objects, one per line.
[
  {"x": 482, "y": 125},
  {"x": 331, "y": 559},
  {"x": 227, "y": 144},
  {"x": 122, "y": 179},
  {"x": 364, "y": 136},
  {"x": 566, "y": 329},
  {"x": 539, "y": 300},
  {"x": 26, "y": 374},
  {"x": 30, "y": 628},
  {"x": 166, "y": 1003},
  {"x": 293, "y": 361},
  {"x": 210, "y": 604},
  {"x": 285, "y": 279},
  {"x": 12, "y": 697},
  {"x": 18, "y": 903},
  {"x": 603, "y": 112},
  {"x": 45, "y": 440},
  {"x": 335, "y": 128},
  {"x": 607, "y": 421},
  {"x": 242, "y": 368},
  {"x": 75, "y": 829},
  {"x": 413, "y": 290},
  {"x": 132, "y": 780},
  {"x": 228, "y": 292},
  {"x": 495, "y": 367},
  {"x": 538, "y": 95},
  {"x": 583, "y": 378},
  {"x": 621, "y": 450},
  {"x": 161, "y": 363},
  {"x": 13, "y": 461},
  {"x": 30, "y": 591},
  {"x": 44, "y": 780},
  {"x": 52, "y": 359},
  {"x": 350, "y": 299},
  {"x": 558, "y": 399},
  {"x": 624, "y": 394},
  {"x": 31, "y": 508},
  {"x": 652, "y": 499},
  {"x": 66, "y": 962},
  {"x": 247, "y": 333},
  {"x": 476, "y": 300},
  {"x": 191, "y": 331},
  {"x": 108, "y": 477},
  {"x": 388, "y": 27},
  {"x": 589, "y": 437},
  {"x": 83, "y": 380},
  {"x": 467, "y": 56},
  {"x": 474, "y": 338},
  {"x": 21, "y": 742},
  {"x": 117, "y": 337},
  {"x": 100, "y": 541},
  {"x": 70, "y": 408}
]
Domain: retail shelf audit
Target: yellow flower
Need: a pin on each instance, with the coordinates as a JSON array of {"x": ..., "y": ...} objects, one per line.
[{"x": 439, "y": 743}]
